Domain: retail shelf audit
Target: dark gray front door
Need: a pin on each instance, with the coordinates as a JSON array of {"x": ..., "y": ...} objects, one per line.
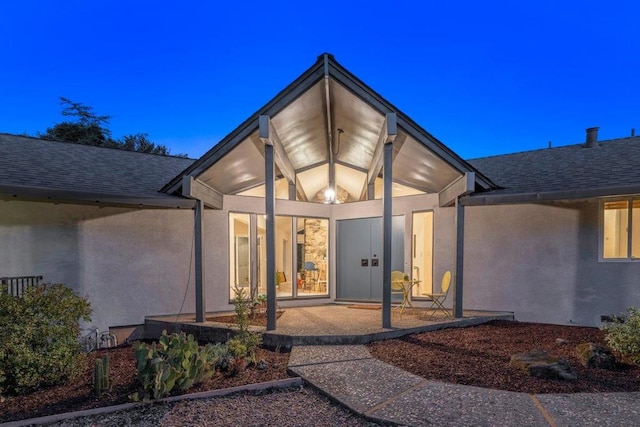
[{"x": 359, "y": 257}]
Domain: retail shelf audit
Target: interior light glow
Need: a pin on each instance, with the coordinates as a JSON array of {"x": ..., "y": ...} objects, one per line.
[{"x": 329, "y": 195}]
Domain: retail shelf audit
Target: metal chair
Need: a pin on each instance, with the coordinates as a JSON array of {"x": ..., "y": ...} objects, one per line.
[{"x": 437, "y": 300}]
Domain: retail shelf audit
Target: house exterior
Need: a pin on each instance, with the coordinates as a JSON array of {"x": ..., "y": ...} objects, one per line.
[{"x": 295, "y": 204}]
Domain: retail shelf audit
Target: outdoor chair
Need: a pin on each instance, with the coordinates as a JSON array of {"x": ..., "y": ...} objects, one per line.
[{"x": 437, "y": 300}]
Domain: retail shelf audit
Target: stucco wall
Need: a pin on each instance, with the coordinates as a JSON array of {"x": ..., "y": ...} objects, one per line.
[
  {"x": 541, "y": 262},
  {"x": 130, "y": 263}
]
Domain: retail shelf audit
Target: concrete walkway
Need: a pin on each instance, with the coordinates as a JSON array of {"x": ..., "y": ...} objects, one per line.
[{"x": 387, "y": 394}]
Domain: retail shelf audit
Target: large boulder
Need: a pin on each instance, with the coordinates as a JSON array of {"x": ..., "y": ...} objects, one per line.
[
  {"x": 595, "y": 356},
  {"x": 540, "y": 364}
]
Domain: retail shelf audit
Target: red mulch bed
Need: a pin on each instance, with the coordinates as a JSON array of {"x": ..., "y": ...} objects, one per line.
[
  {"x": 476, "y": 356},
  {"x": 78, "y": 394},
  {"x": 480, "y": 355}
]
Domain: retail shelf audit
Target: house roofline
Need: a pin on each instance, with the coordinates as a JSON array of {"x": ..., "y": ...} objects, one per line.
[
  {"x": 300, "y": 85},
  {"x": 481, "y": 199},
  {"x": 44, "y": 194}
]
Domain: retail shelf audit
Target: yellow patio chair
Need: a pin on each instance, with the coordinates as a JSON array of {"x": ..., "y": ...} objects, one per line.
[{"x": 438, "y": 299}]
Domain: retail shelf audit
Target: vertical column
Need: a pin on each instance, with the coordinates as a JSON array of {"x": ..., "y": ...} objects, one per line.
[
  {"x": 292, "y": 190},
  {"x": 270, "y": 201},
  {"x": 386, "y": 235},
  {"x": 199, "y": 264},
  {"x": 457, "y": 290}
]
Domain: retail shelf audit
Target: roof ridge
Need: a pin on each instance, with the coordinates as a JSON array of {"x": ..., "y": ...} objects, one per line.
[
  {"x": 35, "y": 138},
  {"x": 581, "y": 144}
]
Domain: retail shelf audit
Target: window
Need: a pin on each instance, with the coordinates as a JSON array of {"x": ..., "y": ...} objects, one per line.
[
  {"x": 621, "y": 229},
  {"x": 239, "y": 252},
  {"x": 422, "y": 253},
  {"x": 300, "y": 255},
  {"x": 312, "y": 236}
]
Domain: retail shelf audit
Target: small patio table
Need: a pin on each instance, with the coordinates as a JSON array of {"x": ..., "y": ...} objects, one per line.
[{"x": 407, "y": 285}]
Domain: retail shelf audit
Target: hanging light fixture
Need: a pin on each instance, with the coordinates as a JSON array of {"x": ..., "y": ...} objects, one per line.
[{"x": 328, "y": 195}]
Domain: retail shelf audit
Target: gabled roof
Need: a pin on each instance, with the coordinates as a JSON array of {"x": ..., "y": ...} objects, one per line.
[
  {"x": 325, "y": 107},
  {"x": 569, "y": 172},
  {"x": 38, "y": 169}
]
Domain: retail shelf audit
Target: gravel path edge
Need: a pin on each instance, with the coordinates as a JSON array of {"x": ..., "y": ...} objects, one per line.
[{"x": 275, "y": 384}]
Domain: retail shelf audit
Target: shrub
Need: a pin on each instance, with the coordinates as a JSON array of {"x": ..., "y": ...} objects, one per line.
[
  {"x": 176, "y": 361},
  {"x": 245, "y": 343},
  {"x": 39, "y": 335},
  {"x": 623, "y": 335}
]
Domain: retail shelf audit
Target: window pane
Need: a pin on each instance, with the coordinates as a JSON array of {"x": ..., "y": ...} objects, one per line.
[
  {"x": 262, "y": 255},
  {"x": 635, "y": 230},
  {"x": 311, "y": 243},
  {"x": 239, "y": 252},
  {"x": 615, "y": 229},
  {"x": 284, "y": 259},
  {"x": 422, "y": 253}
]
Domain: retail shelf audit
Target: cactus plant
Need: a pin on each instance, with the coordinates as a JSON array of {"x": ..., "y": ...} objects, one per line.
[
  {"x": 101, "y": 382},
  {"x": 175, "y": 361}
]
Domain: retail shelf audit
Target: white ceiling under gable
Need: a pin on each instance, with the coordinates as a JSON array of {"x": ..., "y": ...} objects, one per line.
[{"x": 309, "y": 130}]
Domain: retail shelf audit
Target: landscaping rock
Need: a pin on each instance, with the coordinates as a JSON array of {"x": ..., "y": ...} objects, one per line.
[
  {"x": 540, "y": 364},
  {"x": 561, "y": 341},
  {"x": 595, "y": 356}
]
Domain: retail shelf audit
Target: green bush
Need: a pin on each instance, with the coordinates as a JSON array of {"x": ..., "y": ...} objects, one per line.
[
  {"x": 245, "y": 343},
  {"x": 39, "y": 335},
  {"x": 623, "y": 335},
  {"x": 176, "y": 361}
]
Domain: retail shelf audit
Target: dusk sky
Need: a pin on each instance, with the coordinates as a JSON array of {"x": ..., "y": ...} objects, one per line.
[{"x": 483, "y": 77}]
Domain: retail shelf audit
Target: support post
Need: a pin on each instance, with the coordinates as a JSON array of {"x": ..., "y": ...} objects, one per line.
[
  {"x": 457, "y": 290},
  {"x": 199, "y": 264},
  {"x": 386, "y": 235},
  {"x": 270, "y": 201}
]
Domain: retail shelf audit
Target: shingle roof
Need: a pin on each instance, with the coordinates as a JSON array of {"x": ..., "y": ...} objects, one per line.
[
  {"x": 27, "y": 162},
  {"x": 614, "y": 163}
]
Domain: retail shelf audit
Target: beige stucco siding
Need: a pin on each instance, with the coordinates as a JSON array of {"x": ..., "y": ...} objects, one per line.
[
  {"x": 128, "y": 262},
  {"x": 541, "y": 262}
]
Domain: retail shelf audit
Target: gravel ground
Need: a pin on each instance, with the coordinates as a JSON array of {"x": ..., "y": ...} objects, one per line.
[{"x": 299, "y": 406}]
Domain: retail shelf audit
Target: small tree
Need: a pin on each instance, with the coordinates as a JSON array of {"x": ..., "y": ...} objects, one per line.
[
  {"x": 39, "y": 335},
  {"x": 245, "y": 343}
]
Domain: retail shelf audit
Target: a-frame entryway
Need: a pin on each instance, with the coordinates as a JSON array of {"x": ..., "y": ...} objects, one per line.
[{"x": 326, "y": 149}]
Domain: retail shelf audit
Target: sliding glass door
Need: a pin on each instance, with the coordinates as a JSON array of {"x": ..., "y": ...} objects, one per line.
[{"x": 300, "y": 255}]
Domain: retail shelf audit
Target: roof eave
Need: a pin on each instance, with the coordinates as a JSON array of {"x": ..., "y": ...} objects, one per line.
[
  {"x": 369, "y": 95},
  {"x": 280, "y": 101},
  {"x": 43, "y": 194},
  {"x": 315, "y": 73},
  {"x": 549, "y": 196}
]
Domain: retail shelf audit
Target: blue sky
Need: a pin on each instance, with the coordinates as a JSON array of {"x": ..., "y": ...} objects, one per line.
[{"x": 483, "y": 77}]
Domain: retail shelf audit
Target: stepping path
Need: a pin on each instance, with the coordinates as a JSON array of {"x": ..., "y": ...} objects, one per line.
[{"x": 384, "y": 393}]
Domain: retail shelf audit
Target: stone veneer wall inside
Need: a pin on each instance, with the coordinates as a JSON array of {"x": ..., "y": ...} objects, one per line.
[{"x": 315, "y": 243}]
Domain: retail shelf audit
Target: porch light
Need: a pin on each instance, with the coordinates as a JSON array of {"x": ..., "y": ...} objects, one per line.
[{"x": 329, "y": 195}]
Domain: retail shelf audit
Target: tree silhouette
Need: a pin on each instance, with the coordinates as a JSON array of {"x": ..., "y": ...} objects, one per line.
[{"x": 89, "y": 128}]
